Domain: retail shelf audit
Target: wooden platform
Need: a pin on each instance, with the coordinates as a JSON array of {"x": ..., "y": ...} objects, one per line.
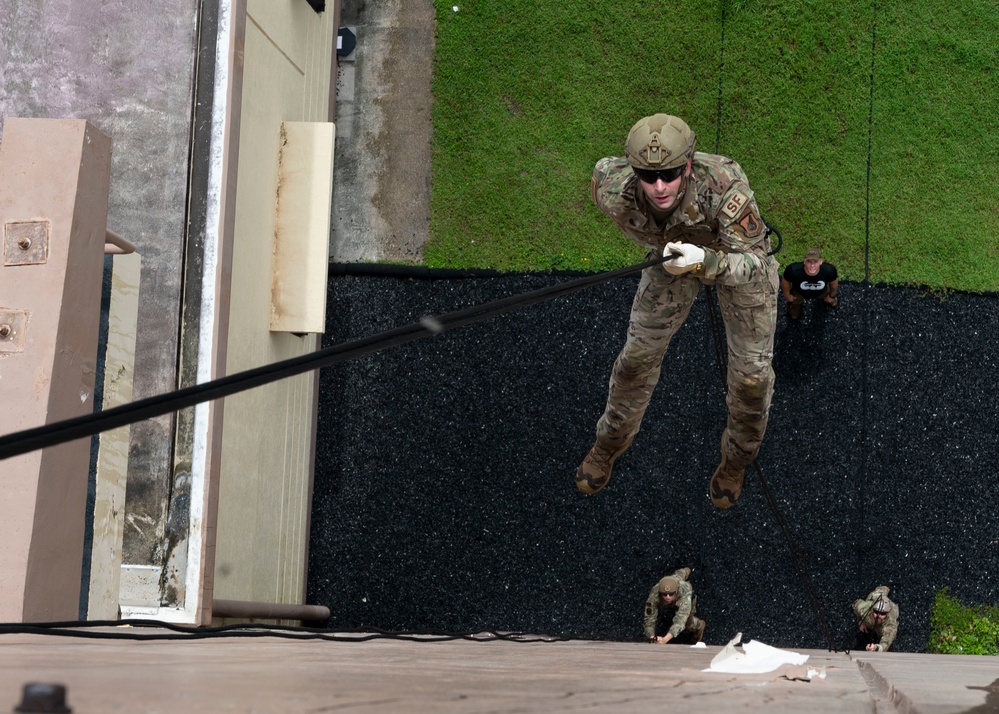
[{"x": 270, "y": 674}]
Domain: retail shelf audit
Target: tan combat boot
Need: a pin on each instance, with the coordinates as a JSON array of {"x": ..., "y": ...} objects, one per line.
[
  {"x": 726, "y": 483},
  {"x": 595, "y": 471}
]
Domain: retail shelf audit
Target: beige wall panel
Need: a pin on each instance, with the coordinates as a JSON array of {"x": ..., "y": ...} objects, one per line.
[
  {"x": 306, "y": 39},
  {"x": 286, "y": 24},
  {"x": 112, "y": 462},
  {"x": 265, "y": 487},
  {"x": 301, "y": 235},
  {"x": 322, "y": 40}
]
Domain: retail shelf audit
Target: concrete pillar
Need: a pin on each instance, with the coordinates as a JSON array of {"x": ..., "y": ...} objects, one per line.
[{"x": 54, "y": 182}]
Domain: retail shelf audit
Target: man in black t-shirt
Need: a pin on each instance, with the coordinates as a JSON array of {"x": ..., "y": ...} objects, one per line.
[{"x": 812, "y": 279}]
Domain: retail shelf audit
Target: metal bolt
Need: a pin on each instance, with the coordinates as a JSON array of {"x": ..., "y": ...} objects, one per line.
[
  {"x": 5, "y": 330},
  {"x": 24, "y": 242},
  {"x": 44, "y": 697}
]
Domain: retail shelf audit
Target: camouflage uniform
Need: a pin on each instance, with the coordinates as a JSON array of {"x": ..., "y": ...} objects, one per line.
[
  {"x": 718, "y": 212},
  {"x": 685, "y": 605},
  {"x": 887, "y": 628}
]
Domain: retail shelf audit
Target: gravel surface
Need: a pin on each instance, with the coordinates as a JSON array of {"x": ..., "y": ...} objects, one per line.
[{"x": 444, "y": 496}]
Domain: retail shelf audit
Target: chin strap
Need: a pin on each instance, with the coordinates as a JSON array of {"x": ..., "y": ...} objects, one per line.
[{"x": 683, "y": 190}]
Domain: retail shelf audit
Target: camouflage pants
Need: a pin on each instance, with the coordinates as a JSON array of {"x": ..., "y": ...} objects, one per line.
[
  {"x": 661, "y": 305},
  {"x": 693, "y": 623}
]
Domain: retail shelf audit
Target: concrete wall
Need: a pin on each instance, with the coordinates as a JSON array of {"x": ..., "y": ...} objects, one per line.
[
  {"x": 383, "y": 133},
  {"x": 133, "y": 72},
  {"x": 129, "y": 71}
]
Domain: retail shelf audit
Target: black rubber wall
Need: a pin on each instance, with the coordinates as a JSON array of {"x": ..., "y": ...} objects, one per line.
[{"x": 444, "y": 496}]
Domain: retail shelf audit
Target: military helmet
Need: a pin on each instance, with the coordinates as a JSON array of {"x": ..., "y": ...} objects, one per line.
[
  {"x": 658, "y": 142},
  {"x": 881, "y": 606},
  {"x": 668, "y": 585}
]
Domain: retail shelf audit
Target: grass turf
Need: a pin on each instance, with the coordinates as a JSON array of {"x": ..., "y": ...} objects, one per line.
[{"x": 807, "y": 96}]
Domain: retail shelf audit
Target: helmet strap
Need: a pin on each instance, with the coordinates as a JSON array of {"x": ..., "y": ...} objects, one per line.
[{"x": 683, "y": 189}]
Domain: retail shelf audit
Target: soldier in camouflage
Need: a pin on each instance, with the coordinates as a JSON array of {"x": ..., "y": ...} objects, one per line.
[
  {"x": 877, "y": 617},
  {"x": 673, "y": 591},
  {"x": 699, "y": 209}
]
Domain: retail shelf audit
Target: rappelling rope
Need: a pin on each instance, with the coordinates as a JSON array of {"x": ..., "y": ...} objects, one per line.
[
  {"x": 806, "y": 580},
  {"x": 862, "y": 475},
  {"x": 22, "y": 442},
  {"x": 138, "y": 629},
  {"x": 861, "y": 480},
  {"x": 720, "y": 359}
]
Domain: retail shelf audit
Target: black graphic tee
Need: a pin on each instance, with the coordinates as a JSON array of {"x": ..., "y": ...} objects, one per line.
[{"x": 810, "y": 287}]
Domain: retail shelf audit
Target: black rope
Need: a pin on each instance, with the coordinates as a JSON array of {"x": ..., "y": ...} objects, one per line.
[
  {"x": 721, "y": 72},
  {"x": 132, "y": 630},
  {"x": 709, "y": 290},
  {"x": 780, "y": 238},
  {"x": 861, "y": 481},
  {"x": 721, "y": 361},
  {"x": 799, "y": 561},
  {"x": 870, "y": 143},
  {"x": 792, "y": 544},
  {"x": 22, "y": 442},
  {"x": 717, "y": 334}
]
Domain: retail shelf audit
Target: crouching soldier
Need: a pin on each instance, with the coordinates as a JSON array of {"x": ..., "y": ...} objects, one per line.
[
  {"x": 877, "y": 617},
  {"x": 676, "y": 593}
]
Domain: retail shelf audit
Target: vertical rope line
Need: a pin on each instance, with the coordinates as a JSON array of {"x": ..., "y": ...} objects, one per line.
[
  {"x": 721, "y": 72},
  {"x": 870, "y": 145},
  {"x": 709, "y": 292},
  {"x": 864, "y": 386},
  {"x": 798, "y": 557},
  {"x": 720, "y": 357},
  {"x": 720, "y": 354}
]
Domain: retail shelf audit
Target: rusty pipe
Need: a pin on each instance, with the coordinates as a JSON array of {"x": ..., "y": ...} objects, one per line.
[
  {"x": 269, "y": 610},
  {"x": 114, "y": 244}
]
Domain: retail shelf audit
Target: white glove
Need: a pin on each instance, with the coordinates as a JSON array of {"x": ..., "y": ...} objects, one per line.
[{"x": 691, "y": 257}]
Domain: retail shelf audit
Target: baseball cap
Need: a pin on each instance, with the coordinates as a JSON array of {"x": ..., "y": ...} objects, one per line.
[
  {"x": 813, "y": 254},
  {"x": 668, "y": 585}
]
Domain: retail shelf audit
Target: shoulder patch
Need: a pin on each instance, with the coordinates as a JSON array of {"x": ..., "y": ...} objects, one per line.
[
  {"x": 752, "y": 224},
  {"x": 734, "y": 204}
]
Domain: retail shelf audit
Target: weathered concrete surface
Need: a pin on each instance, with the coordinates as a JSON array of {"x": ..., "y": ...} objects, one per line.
[
  {"x": 129, "y": 71},
  {"x": 280, "y": 675},
  {"x": 381, "y": 193}
]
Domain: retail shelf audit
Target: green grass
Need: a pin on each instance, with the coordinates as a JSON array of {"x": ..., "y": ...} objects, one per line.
[
  {"x": 957, "y": 629},
  {"x": 528, "y": 96}
]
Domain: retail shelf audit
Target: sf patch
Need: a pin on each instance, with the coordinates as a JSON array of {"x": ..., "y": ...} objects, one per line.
[
  {"x": 745, "y": 219},
  {"x": 735, "y": 204}
]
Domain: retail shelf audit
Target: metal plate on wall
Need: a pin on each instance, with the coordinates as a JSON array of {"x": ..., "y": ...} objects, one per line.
[
  {"x": 26, "y": 242},
  {"x": 12, "y": 328}
]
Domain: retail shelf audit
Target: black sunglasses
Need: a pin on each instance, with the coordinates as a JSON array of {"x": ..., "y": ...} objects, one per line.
[{"x": 667, "y": 175}]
